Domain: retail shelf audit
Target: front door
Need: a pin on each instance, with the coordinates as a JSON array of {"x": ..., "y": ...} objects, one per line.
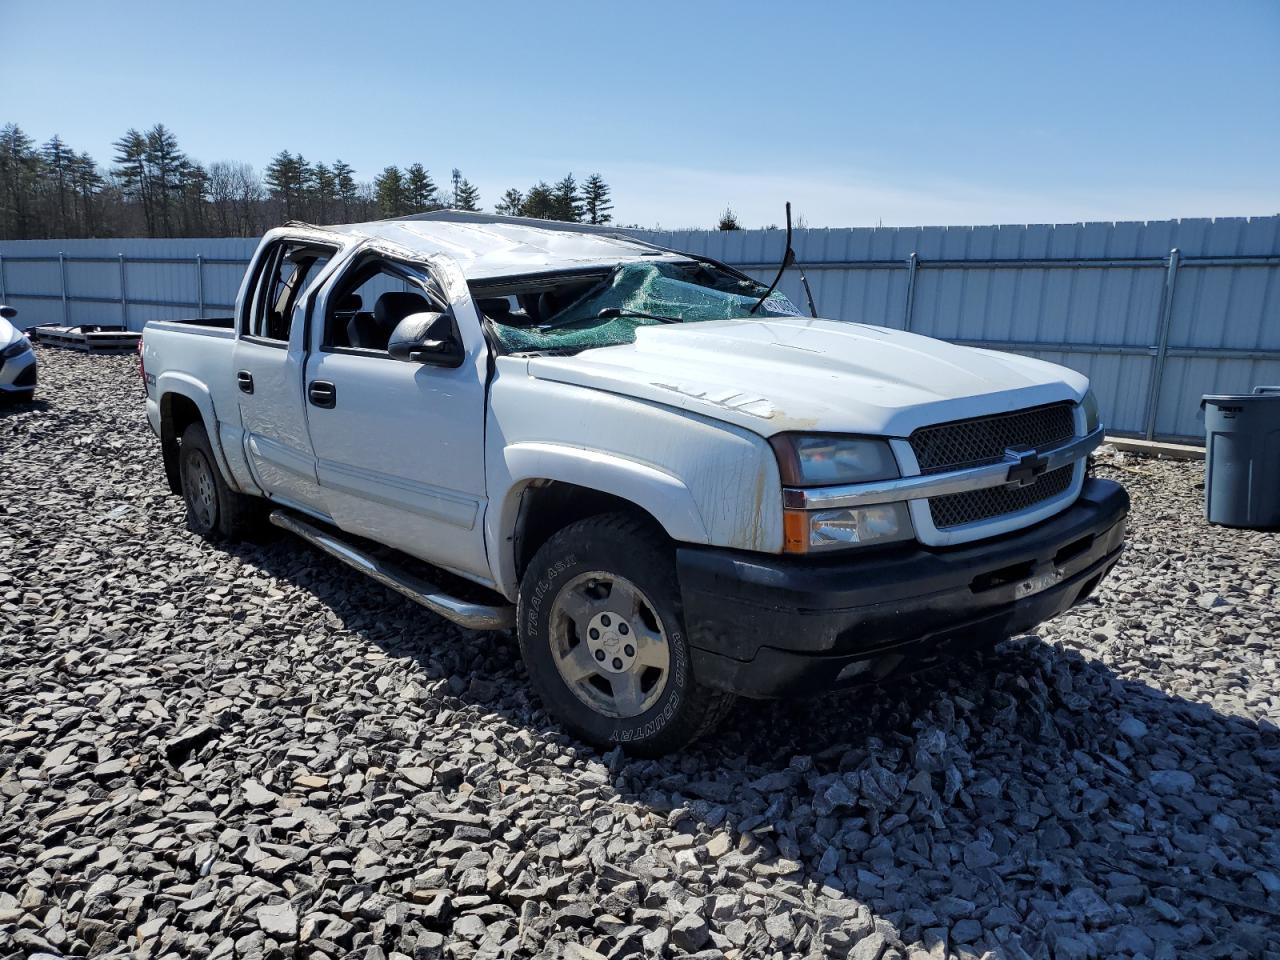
[
  {"x": 399, "y": 445},
  {"x": 269, "y": 359}
]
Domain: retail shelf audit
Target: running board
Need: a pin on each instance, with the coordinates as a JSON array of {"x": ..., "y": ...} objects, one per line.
[{"x": 473, "y": 616}]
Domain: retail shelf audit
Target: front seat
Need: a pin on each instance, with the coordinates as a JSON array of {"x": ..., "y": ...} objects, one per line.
[
  {"x": 388, "y": 311},
  {"x": 549, "y": 304}
]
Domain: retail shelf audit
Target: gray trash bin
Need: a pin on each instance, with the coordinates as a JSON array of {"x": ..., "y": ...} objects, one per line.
[{"x": 1242, "y": 459}]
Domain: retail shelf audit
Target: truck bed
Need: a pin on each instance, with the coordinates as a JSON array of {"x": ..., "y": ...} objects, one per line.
[{"x": 216, "y": 323}]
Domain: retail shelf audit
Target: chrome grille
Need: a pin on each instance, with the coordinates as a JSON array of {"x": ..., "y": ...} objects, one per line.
[
  {"x": 957, "y": 509},
  {"x": 982, "y": 440}
]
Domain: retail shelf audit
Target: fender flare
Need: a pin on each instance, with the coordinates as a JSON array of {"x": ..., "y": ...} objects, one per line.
[
  {"x": 662, "y": 495},
  {"x": 185, "y": 385}
]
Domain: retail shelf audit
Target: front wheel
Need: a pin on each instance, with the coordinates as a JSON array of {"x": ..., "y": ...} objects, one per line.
[{"x": 602, "y": 637}]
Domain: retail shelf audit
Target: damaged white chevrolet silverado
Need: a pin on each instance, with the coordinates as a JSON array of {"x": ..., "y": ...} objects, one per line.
[{"x": 676, "y": 487}]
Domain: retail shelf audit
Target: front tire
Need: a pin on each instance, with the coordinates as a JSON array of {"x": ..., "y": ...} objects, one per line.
[
  {"x": 602, "y": 636},
  {"x": 214, "y": 510}
]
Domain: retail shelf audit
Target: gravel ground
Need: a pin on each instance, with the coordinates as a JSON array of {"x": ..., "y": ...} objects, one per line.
[{"x": 250, "y": 752}]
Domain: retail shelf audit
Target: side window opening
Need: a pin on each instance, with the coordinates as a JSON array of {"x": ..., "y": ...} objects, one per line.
[
  {"x": 289, "y": 270},
  {"x": 371, "y": 300}
]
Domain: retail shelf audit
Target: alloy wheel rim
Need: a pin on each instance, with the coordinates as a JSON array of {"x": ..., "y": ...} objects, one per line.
[{"x": 609, "y": 644}]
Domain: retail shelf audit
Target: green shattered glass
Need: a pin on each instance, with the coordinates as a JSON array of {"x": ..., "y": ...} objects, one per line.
[{"x": 688, "y": 292}]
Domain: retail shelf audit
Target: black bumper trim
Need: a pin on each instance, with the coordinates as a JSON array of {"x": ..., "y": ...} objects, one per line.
[
  {"x": 26, "y": 377},
  {"x": 767, "y": 626}
]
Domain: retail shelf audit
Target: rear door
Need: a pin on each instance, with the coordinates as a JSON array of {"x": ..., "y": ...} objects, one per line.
[{"x": 270, "y": 355}]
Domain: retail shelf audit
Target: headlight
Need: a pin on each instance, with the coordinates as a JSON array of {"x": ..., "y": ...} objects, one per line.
[
  {"x": 1090, "y": 407},
  {"x": 814, "y": 460},
  {"x": 15, "y": 349},
  {"x": 811, "y": 531}
]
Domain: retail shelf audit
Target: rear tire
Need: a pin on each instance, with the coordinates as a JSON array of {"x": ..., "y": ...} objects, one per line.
[
  {"x": 214, "y": 510},
  {"x": 602, "y": 635}
]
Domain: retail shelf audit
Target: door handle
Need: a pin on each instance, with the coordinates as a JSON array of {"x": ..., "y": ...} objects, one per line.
[
  {"x": 245, "y": 379},
  {"x": 322, "y": 393}
]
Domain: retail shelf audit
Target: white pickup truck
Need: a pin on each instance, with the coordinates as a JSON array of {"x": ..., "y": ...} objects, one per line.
[{"x": 675, "y": 486}]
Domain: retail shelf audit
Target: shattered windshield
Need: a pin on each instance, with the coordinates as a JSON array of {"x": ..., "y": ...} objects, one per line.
[{"x": 580, "y": 314}]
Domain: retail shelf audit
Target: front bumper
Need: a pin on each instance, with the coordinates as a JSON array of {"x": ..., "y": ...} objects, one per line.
[
  {"x": 18, "y": 374},
  {"x": 777, "y": 626}
]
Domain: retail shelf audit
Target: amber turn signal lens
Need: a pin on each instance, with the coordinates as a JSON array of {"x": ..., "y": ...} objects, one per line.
[{"x": 795, "y": 531}]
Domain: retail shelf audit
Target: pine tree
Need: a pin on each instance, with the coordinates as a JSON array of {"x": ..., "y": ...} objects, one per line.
[
  {"x": 306, "y": 190},
  {"x": 87, "y": 184},
  {"x": 57, "y": 171},
  {"x": 19, "y": 182},
  {"x": 131, "y": 173},
  {"x": 465, "y": 195},
  {"x": 595, "y": 199},
  {"x": 420, "y": 190},
  {"x": 567, "y": 202},
  {"x": 164, "y": 165},
  {"x": 728, "y": 220},
  {"x": 324, "y": 187},
  {"x": 539, "y": 202},
  {"x": 345, "y": 187},
  {"x": 511, "y": 204},
  {"x": 287, "y": 180},
  {"x": 390, "y": 193}
]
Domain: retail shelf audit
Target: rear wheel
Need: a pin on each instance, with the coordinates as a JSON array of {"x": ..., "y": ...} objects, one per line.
[
  {"x": 214, "y": 510},
  {"x": 601, "y": 634}
]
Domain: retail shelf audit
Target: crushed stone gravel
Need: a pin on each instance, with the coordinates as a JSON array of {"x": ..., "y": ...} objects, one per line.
[{"x": 249, "y": 751}]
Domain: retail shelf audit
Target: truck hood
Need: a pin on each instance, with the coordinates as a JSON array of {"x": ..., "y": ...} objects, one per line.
[{"x": 771, "y": 376}]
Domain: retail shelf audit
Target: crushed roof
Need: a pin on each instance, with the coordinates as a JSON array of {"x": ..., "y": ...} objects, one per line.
[{"x": 489, "y": 245}]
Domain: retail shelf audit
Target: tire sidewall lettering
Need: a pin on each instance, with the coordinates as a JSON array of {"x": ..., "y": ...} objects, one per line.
[
  {"x": 544, "y": 587},
  {"x": 671, "y": 698}
]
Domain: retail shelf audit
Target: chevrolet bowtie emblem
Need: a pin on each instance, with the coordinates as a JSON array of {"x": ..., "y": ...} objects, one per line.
[{"x": 1025, "y": 466}]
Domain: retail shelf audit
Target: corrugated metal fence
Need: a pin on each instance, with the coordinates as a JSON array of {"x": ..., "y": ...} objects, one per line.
[{"x": 1156, "y": 314}]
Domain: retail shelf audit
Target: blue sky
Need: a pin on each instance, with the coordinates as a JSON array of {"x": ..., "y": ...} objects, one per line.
[{"x": 913, "y": 113}]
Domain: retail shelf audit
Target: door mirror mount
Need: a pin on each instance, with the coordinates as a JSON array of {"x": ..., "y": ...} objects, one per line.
[{"x": 427, "y": 338}]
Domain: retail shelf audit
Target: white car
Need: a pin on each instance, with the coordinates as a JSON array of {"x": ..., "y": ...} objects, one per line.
[
  {"x": 17, "y": 359},
  {"x": 676, "y": 487}
]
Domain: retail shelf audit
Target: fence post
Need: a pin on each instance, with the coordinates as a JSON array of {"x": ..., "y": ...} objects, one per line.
[
  {"x": 66, "y": 304},
  {"x": 912, "y": 261},
  {"x": 200, "y": 282},
  {"x": 124, "y": 295},
  {"x": 1162, "y": 343}
]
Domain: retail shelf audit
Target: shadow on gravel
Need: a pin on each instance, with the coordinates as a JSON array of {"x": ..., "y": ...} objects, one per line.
[
  {"x": 10, "y": 407},
  {"x": 1021, "y": 800}
]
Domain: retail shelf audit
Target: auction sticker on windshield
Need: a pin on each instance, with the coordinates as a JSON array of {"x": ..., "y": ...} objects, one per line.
[{"x": 781, "y": 305}]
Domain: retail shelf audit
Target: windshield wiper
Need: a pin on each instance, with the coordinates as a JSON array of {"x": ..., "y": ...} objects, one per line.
[{"x": 611, "y": 313}]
